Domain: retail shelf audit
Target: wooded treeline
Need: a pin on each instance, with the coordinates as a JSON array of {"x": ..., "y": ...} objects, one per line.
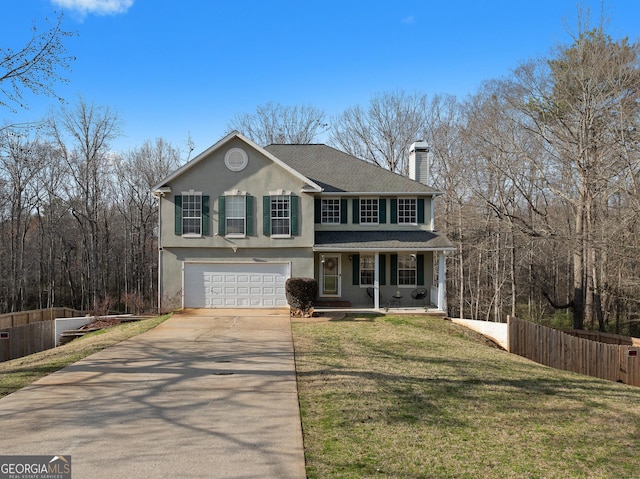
[
  {"x": 77, "y": 221},
  {"x": 540, "y": 171}
]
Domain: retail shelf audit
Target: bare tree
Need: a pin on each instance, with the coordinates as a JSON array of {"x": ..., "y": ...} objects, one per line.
[
  {"x": 383, "y": 133},
  {"x": 82, "y": 137},
  {"x": 35, "y": 67},
  {"x": 19, "y": 164},
  {"x": 138, "y": 171},
  {"x": 584, "y": 105},
  {"x": 276, "y": 123},
  {"x": 449, "y": 173}
]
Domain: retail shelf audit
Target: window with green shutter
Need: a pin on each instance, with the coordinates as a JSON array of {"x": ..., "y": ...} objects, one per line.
[
  {"x": 382, "y": 211},
  {"x": 421, "y": 216},
  {"x": 235, "y": 216},
  {"x": 280, "y": 216},
  {"x": 191, "y": 214},
  {"x": 178, "y": 214},
  {"x": 394, "y": 269},
  {"x": 420, "y": 266},
  {"x": 367, "y": 269}
]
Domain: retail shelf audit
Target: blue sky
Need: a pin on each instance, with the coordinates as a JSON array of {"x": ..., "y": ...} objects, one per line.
[{"x": 175, "y": 69}]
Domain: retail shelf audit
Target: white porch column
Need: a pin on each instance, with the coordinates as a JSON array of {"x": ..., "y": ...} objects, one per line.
[
  {"x": 376, "y": 281},
  {"x": 442, "y": 281}
]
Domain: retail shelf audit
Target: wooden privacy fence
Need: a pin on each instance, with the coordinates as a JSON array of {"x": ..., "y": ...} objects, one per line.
[
  {"x": 561, "y": 350},
  {"x": 29, "y": 332},
  {"x": 11, "y": 320},
  {"x": 27, "y": 339}
]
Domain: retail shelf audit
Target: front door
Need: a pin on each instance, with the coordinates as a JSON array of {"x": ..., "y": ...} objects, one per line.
[{"x": 330, "y": 275}]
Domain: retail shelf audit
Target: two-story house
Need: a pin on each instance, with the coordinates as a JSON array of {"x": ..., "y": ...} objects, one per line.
[{"x": 238, "y": 220}]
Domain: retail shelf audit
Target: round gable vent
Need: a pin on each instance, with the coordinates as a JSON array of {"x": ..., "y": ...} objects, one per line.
[{"x": 236, "y": 159}]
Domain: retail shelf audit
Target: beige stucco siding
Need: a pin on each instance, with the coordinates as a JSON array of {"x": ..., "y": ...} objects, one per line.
[
  {"x": 173, "y": 260},
  {"x": 261, "y": 176}
]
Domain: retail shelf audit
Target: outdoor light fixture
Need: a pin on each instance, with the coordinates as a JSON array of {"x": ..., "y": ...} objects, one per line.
[{"x": 322, "y": 258}]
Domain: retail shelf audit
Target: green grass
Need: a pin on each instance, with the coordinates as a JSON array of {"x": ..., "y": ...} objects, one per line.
[
  {"x": 419, "y": 397},
  {"x": 17, "y": 373}
]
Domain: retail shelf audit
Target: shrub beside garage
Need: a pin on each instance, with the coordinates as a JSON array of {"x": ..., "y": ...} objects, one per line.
[{"x": 301, "y": 293}]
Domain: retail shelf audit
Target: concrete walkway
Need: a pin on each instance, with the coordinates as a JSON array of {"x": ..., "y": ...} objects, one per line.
[
  {"x": 495, "y": 331},
  {"x": 206, "y": 394}
]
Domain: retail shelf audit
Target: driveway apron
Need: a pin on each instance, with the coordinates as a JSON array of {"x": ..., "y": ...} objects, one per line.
[{"x": 207, "y": 394}]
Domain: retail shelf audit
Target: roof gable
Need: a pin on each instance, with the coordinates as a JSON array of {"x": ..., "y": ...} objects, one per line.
[
  {"x": 339, "y": 172},
  {"x": 161, "y": 186}
]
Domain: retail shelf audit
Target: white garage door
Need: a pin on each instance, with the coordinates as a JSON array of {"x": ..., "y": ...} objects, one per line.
[{"x": 237, "y": 285}]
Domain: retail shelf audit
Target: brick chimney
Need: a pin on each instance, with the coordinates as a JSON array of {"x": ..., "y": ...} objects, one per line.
[{"x": 419, "y": 162}]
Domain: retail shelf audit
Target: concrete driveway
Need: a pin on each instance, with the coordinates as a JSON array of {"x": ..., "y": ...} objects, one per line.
[{"x": 207, "y": 394}]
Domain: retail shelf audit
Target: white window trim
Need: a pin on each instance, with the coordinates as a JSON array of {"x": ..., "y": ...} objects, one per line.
[
  {"x": 322, "y": 219},
  {"x": 415, "y": 269},
  {"x": 282, "y": 193},
  {"x": 191, "y": 193},
  {"x": 236, "y": 193},
  {"x": 360, "y": 216},
  {"x": 373, "y": 270},
  {"x": 415, "y": 211}
]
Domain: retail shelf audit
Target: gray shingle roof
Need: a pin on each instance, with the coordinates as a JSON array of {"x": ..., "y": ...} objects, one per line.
[
  {"x": 337, "y": 171},
  {"x": 382, "y": 240}
]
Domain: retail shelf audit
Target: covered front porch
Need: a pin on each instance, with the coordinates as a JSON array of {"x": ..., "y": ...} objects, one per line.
[
  {"x": 382, "y": 279},
  {"x": 382, "y": 269}
]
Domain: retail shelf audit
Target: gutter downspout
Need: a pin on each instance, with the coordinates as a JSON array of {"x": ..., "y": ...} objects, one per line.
[
  {"x": 159, "y": 195},
  {"x": 159, "y": 255}
]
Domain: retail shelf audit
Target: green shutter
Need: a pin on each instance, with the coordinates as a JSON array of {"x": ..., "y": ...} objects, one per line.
[
  {"x": 249, "y": 215},
  {"x": 356, "y": 211},
  {"x": 382, "y": 263},
  {"x": 317, "y": 210},
  {"x": 266, "y": 215},
  {"x": 355, "y": 268},
  {"x": 394, "y": 269},
  {"x": 222, "y": 217},
  {"x": 343, "y": 211},
  {"x": 420, "y": 269},
  {"x": 205, "y": 215},
  {"x": 420, "y": 210},
  {"x": 394, "y": 210},
  {"x": 178, "y": 215},
  {"x": 293, "y": 204},
  {"x": 382, "y": 211}
]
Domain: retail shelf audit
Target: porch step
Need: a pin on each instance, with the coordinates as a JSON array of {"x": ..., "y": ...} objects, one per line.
[{"x": 328, "y": 303}]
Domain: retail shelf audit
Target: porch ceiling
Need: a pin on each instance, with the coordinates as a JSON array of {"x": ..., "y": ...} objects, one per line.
[{"x": 381, "y": 241}]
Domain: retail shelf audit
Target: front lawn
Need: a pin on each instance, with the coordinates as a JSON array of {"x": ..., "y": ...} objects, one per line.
[
  {"x": 420, "y": 397},
  {"x": 18, "y": 373}
]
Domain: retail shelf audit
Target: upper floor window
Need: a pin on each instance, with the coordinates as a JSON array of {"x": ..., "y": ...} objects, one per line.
[
  {"x": 407, "y": 211},
  {"x": 331, "y": 211},
  {"x": 407, "y": 268},
  {"x": 235, "y": 212},
  {"x": 369, "y": 211},
  {"x": 192, "y": 214},
  {"x": 280, "y": 215}
]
